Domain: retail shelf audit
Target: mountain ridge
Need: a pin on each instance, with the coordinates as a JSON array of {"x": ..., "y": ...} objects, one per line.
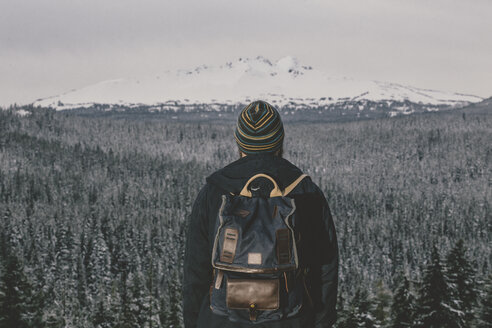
[{"x": 284, "y": 83}]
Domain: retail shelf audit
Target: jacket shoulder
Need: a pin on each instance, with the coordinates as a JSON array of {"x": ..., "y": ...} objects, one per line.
[
  {"x": 306, "y": 186},
  {"x": 209, "y": 196}
]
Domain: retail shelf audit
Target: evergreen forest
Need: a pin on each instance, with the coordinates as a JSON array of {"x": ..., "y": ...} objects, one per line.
[{"x": 94, "y": 210}]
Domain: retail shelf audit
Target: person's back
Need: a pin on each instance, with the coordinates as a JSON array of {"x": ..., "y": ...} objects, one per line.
[{"x": 259, "y": 135}]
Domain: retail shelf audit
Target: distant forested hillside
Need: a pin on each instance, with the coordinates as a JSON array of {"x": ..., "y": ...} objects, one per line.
[{"x": 93, "y": 213}]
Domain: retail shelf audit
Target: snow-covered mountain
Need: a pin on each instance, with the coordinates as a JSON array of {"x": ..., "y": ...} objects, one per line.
[{"x": 285, "y": 83}]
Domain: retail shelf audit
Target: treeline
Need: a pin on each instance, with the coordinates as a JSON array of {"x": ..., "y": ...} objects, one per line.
[{"x": 93, "y": 213}]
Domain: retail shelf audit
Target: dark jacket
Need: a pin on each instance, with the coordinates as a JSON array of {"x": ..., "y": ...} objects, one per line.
[{"x": 318, "y": 247}]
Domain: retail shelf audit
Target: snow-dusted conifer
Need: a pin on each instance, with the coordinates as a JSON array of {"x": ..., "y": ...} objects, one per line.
[
  {"x": 102, "y": 318},
  {"x": 98, "y": 269},
  {"x": 175, "y": 314},
  {"x": 461, "y": 277},
  {"x": 485, "y": 310},
  {"x": 15, "y": 293},
  {"x": 140, "y": 304},
  {"x": 382, "y": 301},
  {"x": 359, "y": 312},
  {"x": 435, "y": 308},
  {"x": 403, "y": 306}
]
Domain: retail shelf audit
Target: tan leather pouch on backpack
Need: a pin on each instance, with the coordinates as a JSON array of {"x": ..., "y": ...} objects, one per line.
[{"x": 263, "y": 294}]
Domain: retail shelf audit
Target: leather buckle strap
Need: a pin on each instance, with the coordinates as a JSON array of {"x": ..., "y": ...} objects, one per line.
[
  {"x": 283, "y": 246},
  {"x": 229, "y": 245},
  {"x": 218, "y": 280}
]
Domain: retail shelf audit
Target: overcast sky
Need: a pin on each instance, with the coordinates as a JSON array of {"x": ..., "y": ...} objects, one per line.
[{"x": 51, "y": 46}]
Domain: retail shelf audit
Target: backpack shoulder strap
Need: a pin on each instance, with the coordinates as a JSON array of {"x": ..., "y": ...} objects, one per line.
[
  {"x": 291, "y": 187},
  {"x": 276, "y": 190}
]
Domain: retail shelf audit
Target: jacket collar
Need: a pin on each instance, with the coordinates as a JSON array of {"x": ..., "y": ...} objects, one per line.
[{"x": 233, "y": 176}]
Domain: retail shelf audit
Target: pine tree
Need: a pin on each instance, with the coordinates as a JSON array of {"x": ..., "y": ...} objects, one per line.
[
  {"x": 403, "y": 306},
  {"x": 359, "y": 312},
  {"x": 350, "y": 319},
  {"x": 53, "y": 319},
  {"x": 39, "y": 309},
  {"x": 65, "y": 285},
  {"x": 154, "y": 306},
  {"x": 99, "y": 263},
  {"x": 434, "y": 302},
  {"x": 103, "y": 318},
  {"x": 15, "y": 294},
  {"x": 382, "y": 301},
  {"x": 174, "y": 319},
  {"x": 461, "y": 276},
  {"x": 365, "y": 306},
  {"x": 81, "y": 282},
  {"x": 130, "y": 308},
  {"x": 2, "y": 291},
  {"x": 485, "y": 310},
  {"x": 139, "y": 305},
  {"x": 164, "y": 314},
  {"x": 11, "y": 235},
  {"x": 341, "y": 310},
  {"x": 39, "y": 299}
]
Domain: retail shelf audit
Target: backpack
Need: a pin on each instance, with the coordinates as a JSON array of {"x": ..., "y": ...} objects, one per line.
[{"x": 256, "y": 273}]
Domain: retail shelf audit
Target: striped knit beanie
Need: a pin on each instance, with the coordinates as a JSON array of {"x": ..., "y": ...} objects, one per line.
[{"x": 259, "y": 129}]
